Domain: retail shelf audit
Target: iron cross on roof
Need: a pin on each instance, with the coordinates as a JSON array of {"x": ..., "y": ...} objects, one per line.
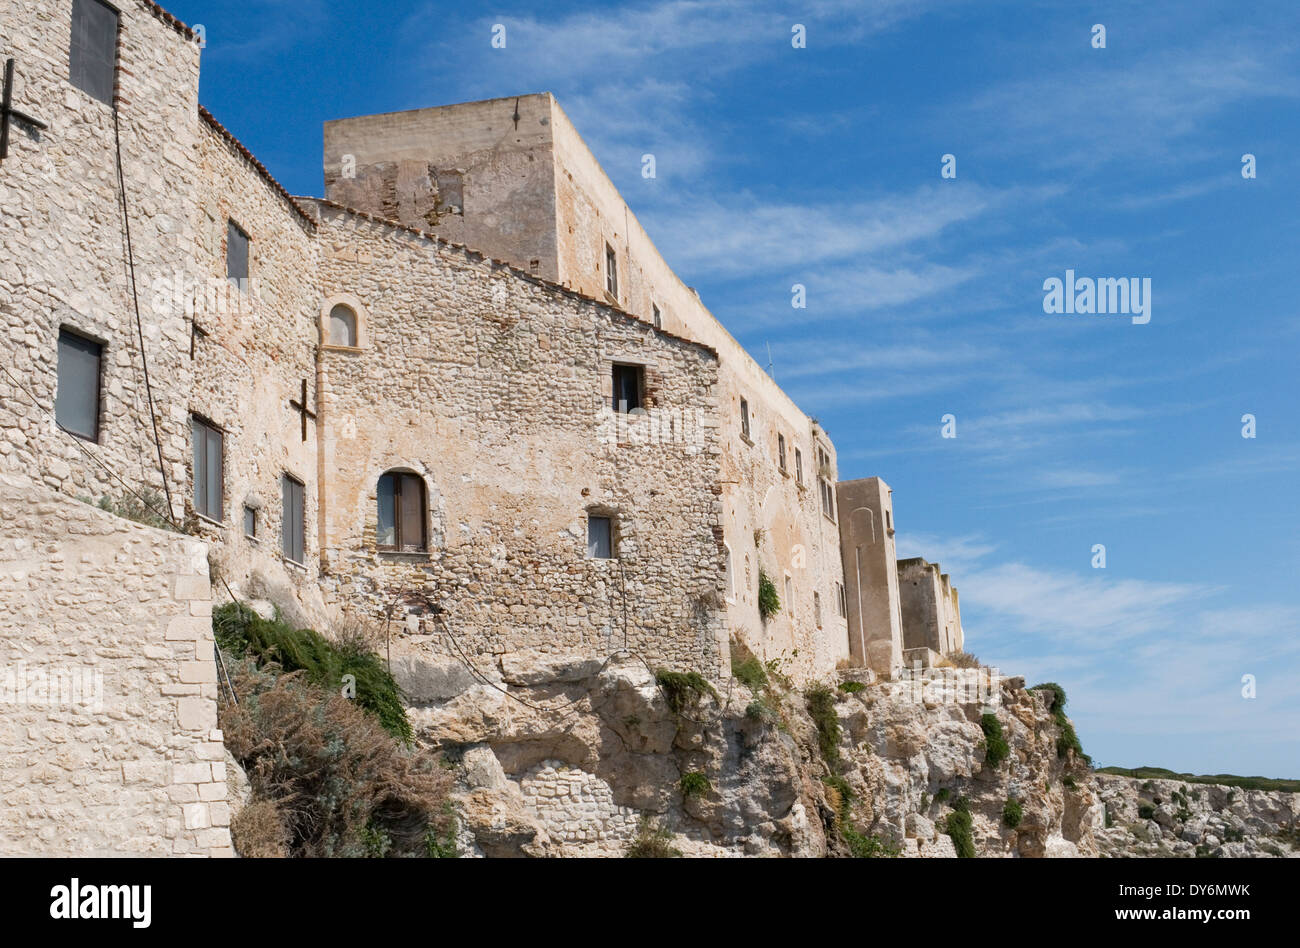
[
  {"x": 301, "y": 408},
  {"x": 7, "y": 112}
]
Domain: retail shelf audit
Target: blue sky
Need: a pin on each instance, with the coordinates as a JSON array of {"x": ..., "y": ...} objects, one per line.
[{"x": 821, "y": 166}]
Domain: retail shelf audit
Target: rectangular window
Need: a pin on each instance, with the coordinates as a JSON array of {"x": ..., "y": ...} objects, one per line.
[
  {"x": 817, "y": 608},
  {"x": 236, "y": 255},
  {"x": 658, "y": 317},
  {"x": 798, "y": 466},
  {"x": 824, "y": 483},
  {"x": 76, "y": 402},
  {"x": 744, "y": 419},
  {"x": 250, "y": 523},
  {"x": 401, "y": 513},
  {"x": 600, "y": 538},
  {"x": 843, "y": 600},
  {"x": 92, "y": 54},
  {"x": 208, "y": 476},
  {"x": 780, "y": 451},
  {"x": 611, "y": 272},
  {"x": 627, "y": 387},
  {"x": 293, "y": 527}
]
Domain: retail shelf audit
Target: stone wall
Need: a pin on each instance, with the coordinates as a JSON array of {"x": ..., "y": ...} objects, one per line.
[
  {"x": 122, "y": 755},
  {"x": 871, "y": 573},
  {"x": 63, "y": 254},
  {"x": 929, "y": 606},
  {"x": 492, "y": 388}
]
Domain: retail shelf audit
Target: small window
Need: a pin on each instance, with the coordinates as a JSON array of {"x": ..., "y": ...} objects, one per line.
[
  {"x": 293, "y": 526},
  {"x": 401, "y": 513},
  {"x": 92, "y": 55},
  {"x": 627, "y": 387},
  {"x": 889, "y": 521},
  {"x": 843, "y": 600},
  {"x": 817, "y": 609},
  {"x": 744, "y": 419},
  {"x": 728, "y": 573},
  {"x": 611, "y": 272},
  {"x": 600, "y": 538},
  {"x": 780, "y": 452},
  {"x": 798, "y": 465},
  {"x": 76, "y": 402},
  {"x": 343, "y": 327},
  {"x": 236, "y": 255},
  {"x": 209, "y": 444},
  {"x": 789, "y": 596},
  {"x": 657, "y": 316},
  {"x": 250, "y": 523}
]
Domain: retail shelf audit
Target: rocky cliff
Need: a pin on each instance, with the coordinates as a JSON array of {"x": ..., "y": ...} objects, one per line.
[
  {"x": 571, "y": 757},
  {"x": 1176, "y": 818}
]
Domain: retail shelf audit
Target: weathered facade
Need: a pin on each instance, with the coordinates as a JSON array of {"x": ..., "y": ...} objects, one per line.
[
  {"x": 513, "y": 177},
  {"x": 348, "y": 411}
]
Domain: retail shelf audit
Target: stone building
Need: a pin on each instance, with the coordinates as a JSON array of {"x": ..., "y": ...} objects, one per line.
[
  {"x": 513, "y": 177},
  {"x": 463, "y": 395}
]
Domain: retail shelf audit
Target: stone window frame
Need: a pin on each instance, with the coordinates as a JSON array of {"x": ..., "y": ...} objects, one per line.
[
  {"x": 101, "y": 385},
  {"x": 120, "y": 28},
  {"x": 611, "y": 271},
  {"x": 656, "y": 315},
  {"x": 244, "y": 285},
  {"x": 781, "y": 455},
  {"x": 798, "y": 468},
  {"x": 358, "y": 310},
  {"x": 745, "y": 423},
  {"x": 426, "y": 515},
  {"x": 198, "y": 420},
  {"x": 842, "y": 600},
  {"x": 603, "y": 512}
]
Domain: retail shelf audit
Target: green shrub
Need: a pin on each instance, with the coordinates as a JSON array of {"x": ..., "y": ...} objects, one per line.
[
  {"x": 763, "y": 709},
  {"x": 1146, "y": 811},
  {"x": 868, "y": 847},
  {"x": 769, "y": 603},
  {"x": 695, "y": 784},
  {"x": 242, "y": 633},
  {"x": 1224, "y": 780},
  {"x": 1013, "y": 813},
  {"x": 1069, "y": 783},
  {"x": 146, "y": 507},
  {"x": 852, "y": 687},
  {"x": 821, "y": 706},
  {"x": 1067, "y": 740},
  {"x": 840, "y": 796},
  {"x": 942, "y": 795},
  {"x": 748, "y": 671},
  {"x": 958, "y": 827},
  {"x": 996, "y": 748},
  {"x": 652, "y": 842},
  {"x": 684, "y": 690}
]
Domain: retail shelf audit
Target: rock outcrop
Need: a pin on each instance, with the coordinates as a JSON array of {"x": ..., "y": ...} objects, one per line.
[
  {"x": 569, "y": 757},
  {"x": 1176, "y": 818}
]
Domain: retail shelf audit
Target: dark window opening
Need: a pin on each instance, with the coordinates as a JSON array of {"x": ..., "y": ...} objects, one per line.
[
  {"x": 209, "y": 444},
  {"x": 76, "y": 402},
  {"x": 236, "y": 255},
  {"x": 657, "y": 316},
  {"x": 798, "y": 465},
  {"x": 401, "y": 525},
  {"x": 780, "y": 451},
  {"x": 628, "y": 387},
  {"x": 92, "y": 55},
  {"x": 293, "y": 526},
  {"x": 600, "y": 538},
  {"x": 744, "y": 419},
  {"x": 611, "y": 272},
  {"x": 250, "y": 523}
]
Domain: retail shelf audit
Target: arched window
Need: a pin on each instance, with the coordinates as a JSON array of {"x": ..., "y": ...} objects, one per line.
[
  {"x": 401, "y": 525},
  {"x": 343, "y": 326}
]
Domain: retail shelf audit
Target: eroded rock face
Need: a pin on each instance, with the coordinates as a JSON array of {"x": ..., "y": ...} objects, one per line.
[
  {"x": 563, "y": 756},
  {"x": 1174, "y": 818}
]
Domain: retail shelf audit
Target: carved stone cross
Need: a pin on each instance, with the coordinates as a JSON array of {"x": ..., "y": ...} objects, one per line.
[{"x": 8, "y": 112}]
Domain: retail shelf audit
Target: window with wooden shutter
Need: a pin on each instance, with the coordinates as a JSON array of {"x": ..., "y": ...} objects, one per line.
[
  {"x": 209, "y": 446},
  {"x": 92, "y": 53}
]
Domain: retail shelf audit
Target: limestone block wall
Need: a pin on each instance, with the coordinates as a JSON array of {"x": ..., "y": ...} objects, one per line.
[
  {"x": 867, "y": 546},
  {"x": 63, "y": 256},
  {"x": 108, "y": 685},
  {"x": 479, "y": 173},
  {"x": 492, "y": 388},
  {"x": 256, "y": 347},
  {"x": 577, "y": 809},
  {"x": 535, "y": 196},
  {"x": 931, "y": 618}
]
